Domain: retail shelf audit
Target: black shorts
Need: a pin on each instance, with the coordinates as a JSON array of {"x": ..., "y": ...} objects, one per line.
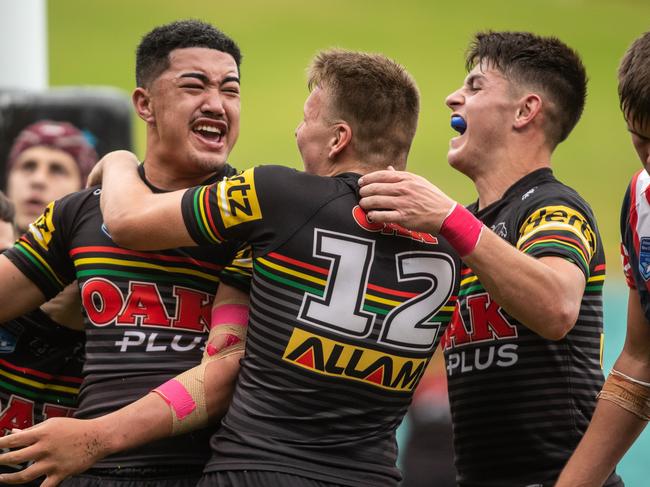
[
  {"x": 258, "y": 478},
  {"x": 136, "y": 477}
]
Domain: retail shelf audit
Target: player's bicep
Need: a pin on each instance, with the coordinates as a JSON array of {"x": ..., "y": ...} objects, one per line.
[
  {"x": 155, "y": 222},
  {"x": 18, "y": 294}
]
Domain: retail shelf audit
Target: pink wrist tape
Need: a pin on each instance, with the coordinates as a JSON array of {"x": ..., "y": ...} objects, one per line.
[
  {"x": 461, "y": 229},
  {"x": 175, "y": 394},
  {"x": 229, "y": 314}
]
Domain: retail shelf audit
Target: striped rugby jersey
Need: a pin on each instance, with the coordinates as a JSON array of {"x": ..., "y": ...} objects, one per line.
[
  {"x": 521, "y": 403},
  {"x": 635, "y": 237},
  {"x": 146, "y": 313},
  {"x": 40, "y": 371},
  {"x": 345, "y": 315}
]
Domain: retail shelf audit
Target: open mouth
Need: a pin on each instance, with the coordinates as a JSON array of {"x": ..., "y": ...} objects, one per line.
[
  {"x": 212, "y": 132},
  {"x": 459, "y": 124}
]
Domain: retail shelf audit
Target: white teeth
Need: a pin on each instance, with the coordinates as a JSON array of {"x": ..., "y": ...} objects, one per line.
[{"x": 208, "y": 128}]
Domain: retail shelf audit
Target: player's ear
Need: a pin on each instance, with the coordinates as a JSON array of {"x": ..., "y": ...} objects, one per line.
[
  {"x": 528, "y": 108},
  {"x": 142, "y": 104},
  {"x": 340, "y": 140}
]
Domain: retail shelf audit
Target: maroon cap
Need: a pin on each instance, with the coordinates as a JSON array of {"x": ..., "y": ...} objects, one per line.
[{"x": 57, "y": 135}]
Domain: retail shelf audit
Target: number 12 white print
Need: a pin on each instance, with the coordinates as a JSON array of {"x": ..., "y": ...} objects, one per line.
[{"x": 351, "y": 258}]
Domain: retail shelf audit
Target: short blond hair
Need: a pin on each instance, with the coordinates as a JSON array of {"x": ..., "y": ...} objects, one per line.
[{"x": 376, "y": 96}]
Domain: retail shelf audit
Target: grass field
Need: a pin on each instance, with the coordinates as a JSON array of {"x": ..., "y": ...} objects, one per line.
[{"x": 92, "y": 43}]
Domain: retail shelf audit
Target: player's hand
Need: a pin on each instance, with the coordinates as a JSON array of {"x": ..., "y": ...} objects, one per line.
[
  {"x": 59, "y": 447},
  {"x": 404, "y": 198},
  {"x": 96, "y": 175}
]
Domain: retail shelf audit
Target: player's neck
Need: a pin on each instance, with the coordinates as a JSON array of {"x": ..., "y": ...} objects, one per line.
[
  {"x": 171, "y": 175},
  {"x": 494, "y": 175},
  {"x": 354, "y": 165}
]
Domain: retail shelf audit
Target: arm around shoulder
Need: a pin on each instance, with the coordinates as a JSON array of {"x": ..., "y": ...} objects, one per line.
[{"x": 135, "y": 217}]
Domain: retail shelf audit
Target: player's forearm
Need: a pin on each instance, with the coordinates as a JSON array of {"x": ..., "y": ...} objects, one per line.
[
  {"x": 542, "y": 298},
  {"x": 150, "y": 418},
  {"x": 135, "y": 217},
  {"x": 600, "y": 450},
  {"x": 124, "y": 197},
  {"x": 145, "y": 420},
  {"x": 622, "y": 408}
]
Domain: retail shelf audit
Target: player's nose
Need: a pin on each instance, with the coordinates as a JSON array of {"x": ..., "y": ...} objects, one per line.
[{"x": 454, "y": 99}]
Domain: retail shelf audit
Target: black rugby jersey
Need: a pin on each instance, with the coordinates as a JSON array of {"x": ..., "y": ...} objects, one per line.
[
  {"x": 345, "y": 315},
  {"x": 635, "y": 237},
  {"x": 520, "y": 403},
  {"x": 40, "y": 371},
  {"x": 146, "y": 313}
]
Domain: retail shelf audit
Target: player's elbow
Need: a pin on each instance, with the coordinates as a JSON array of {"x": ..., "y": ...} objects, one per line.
[
  {"x": 561, "y": 321},
  {"x": 123, "y": 230}
]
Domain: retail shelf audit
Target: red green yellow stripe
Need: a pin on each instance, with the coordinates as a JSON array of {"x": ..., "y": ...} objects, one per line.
[{"x": 145, "y": 255}]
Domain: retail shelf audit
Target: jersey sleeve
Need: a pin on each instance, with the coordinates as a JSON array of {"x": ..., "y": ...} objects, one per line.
[
  {"x": 262, "y": 206},
  {"x": 559, "y": 226},
  {"x": 41, "y": 253},
  {"x": 239, "y": 272}
]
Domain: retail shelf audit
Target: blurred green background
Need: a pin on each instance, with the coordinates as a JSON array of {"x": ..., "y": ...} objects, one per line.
[{"x": 93, "y": 43}]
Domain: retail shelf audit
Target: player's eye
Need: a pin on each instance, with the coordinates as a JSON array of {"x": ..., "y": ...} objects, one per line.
[{"x": 231, "y": 89}]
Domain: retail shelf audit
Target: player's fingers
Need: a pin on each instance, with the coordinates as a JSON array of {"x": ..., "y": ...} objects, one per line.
[
  {"x": 379, "y": 202},
  {"x": 31, "y": 428},
  {"x": 385, "y": 189},
  {"x": 384, "y": 216},
  {"x": 17, "y": 440},
  {"x": 32, "y": 472},
  {"x": 95, "y": 176},
  {"x": 51, "y": 481},
  {"x": 385, "y": 176},
  {"x": 22, "y": 455}
]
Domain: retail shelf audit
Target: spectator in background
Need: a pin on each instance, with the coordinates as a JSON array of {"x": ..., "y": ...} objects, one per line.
[{"x": 47, "y": 161}]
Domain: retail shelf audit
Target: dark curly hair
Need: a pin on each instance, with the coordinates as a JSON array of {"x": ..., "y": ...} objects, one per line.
[{"x": 152, "y": 55}]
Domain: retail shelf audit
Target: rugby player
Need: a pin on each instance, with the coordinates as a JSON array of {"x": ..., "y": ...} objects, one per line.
[
  {"x": 624, "y": 406},
  {"x": 523, "y": 349},
  {"x": 41, "y": 351},
  {"x": 345, "y": 314},
  {"x": 40, "y": 360},
  {"x": 147, "y": 314}
]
